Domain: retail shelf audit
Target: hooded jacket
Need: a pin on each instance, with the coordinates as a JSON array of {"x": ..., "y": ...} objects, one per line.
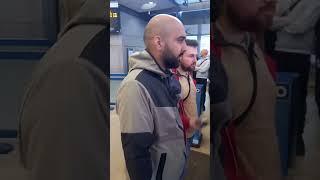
[
  {"x": 202, "y": 68},
  {"x": 63, "y": 122},
  {"x": 296, "y": 30},
  {"x": 151, "y": 129}
]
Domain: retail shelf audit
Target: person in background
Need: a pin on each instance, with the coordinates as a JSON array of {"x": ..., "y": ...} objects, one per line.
[
  {"x": 187, "y": 104},
  {"x": 147, "y": 104},
  {"x": 202, "y": 68},
  {"x": 63, "y": 121},
  {"x": 293, "y": 49}
]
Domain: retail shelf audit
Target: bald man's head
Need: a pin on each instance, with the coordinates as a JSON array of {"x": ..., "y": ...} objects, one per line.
[
  {"x": 160, "y": 25},
  {"x": 204, "y": 53},
  {"x": 164, "y": 38}
]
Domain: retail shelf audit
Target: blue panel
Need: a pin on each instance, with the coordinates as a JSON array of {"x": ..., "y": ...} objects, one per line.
[
  {"x": 285, "y": 122},
  {"x": 197, "y": 137},
  {"x": 118, "y": 74},
  {"x": 199, "y": 90},
  {"x": 25, "y": 42},
  {"x": 8, "y": 133},
  {"x": 22, "y": 55}
]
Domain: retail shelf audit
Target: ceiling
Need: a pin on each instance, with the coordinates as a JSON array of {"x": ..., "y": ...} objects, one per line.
[{"x": 162, "y": 5}]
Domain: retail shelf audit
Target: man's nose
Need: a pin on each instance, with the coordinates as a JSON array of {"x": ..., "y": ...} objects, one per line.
[
  {"x": 194, "y": 59},
  {"x": 184, "y": 45}
]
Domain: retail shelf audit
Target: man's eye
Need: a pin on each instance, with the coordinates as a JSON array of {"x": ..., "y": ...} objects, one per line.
[{"x": 181, "y": 39}]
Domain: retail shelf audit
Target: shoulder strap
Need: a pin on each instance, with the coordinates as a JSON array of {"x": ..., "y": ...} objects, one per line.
[
  {"x": 251, "y": 58},
  {"x": 177, "y": 76},
  {"x": 188, "y": 79},
  {"x": 203, "y": 61},
  {"x": 292, "y": 6}
]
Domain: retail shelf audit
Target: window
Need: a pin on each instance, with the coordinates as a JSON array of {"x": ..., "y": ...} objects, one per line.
[
  {"x": 192, "y": 37},
  {"x": 205, "y": 42}
]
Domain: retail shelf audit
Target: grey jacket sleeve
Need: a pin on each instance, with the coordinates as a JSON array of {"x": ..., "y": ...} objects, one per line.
[
  {"x": 204, "y": 67},
  {"x": 64, "y": 126},
  {"x": 303, "y": 22},
  {"x": 136, "y": 124}
]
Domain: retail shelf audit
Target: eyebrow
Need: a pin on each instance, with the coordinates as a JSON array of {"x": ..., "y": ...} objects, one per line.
[{"x": 182, "y": 37}]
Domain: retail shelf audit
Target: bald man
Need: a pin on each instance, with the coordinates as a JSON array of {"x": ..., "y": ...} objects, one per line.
[{"x": 151, "y": 129}]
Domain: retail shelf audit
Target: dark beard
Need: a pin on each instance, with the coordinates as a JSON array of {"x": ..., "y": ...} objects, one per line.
[
  {"x": 170, "y": 61},
  {"x": 187, "y": 68},
  {"x": 249, "y": 24}
]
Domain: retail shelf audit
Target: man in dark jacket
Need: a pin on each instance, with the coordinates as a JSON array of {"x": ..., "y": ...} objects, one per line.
[{"x": 64, "y": 124}]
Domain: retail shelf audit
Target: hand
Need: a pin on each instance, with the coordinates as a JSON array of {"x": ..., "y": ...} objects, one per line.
[{"x": 195, "y": 123}]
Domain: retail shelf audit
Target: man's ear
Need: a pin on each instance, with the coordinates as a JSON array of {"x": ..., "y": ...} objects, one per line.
[{"x": 158, "y": 42}]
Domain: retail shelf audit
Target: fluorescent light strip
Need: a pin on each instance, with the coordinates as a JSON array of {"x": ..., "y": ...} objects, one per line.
[{"x": 114, "y": 4}]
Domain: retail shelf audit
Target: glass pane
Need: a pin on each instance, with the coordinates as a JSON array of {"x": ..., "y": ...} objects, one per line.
[
  {"x": 193, "y": 1},
  {"x": 192, "y": 37},
  {"x": 205, "y": 28},
  {"x": 191, "y": 29},
  {"x": 205, "y": 42}
]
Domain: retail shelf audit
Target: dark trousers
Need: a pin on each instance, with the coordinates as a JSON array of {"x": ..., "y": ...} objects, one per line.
[
  {"x": 300, "y": 64},
  {"x": 203, "y": 98}
]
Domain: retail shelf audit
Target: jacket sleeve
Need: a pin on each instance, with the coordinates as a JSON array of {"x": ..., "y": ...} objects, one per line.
[
  {"x": 204, "y": 66},
  {"x": 136, "y": 125},
  {"x": 65, "y": 126},
  {"x": 303, "y": 22},
  {"x": 280, "y": 22}
]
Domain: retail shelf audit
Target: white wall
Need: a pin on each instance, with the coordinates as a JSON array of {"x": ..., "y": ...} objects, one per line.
[
  {"x": 131, "y": 36},
  {"x": 116, "y": 55}
]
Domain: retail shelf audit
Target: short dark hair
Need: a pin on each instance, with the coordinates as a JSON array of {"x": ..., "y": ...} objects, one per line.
[{"x": 192, "y": 43}]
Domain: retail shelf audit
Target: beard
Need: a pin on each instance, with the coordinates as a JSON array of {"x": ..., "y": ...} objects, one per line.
[
  {"x": 187, "y": 68},
  {"x": 252, "y": 23},
  {"x": 244, "y": 23},
  {"x": 170, "y": 61}
]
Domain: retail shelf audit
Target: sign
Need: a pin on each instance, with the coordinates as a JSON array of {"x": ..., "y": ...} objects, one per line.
[{"x": 114, "y": 18}]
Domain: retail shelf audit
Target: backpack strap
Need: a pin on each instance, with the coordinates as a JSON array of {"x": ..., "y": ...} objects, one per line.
[
  {"x": 219, "y": 42},
  {"x": 178, "y": 75},
  {"x": 251, "y": 59}
]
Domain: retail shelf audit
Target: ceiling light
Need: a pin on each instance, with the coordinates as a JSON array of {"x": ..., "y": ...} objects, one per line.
[{"x": 148, "y": 5}]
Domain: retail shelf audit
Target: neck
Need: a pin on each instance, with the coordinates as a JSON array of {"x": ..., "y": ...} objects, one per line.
[{"x": 157, "y": 58}]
